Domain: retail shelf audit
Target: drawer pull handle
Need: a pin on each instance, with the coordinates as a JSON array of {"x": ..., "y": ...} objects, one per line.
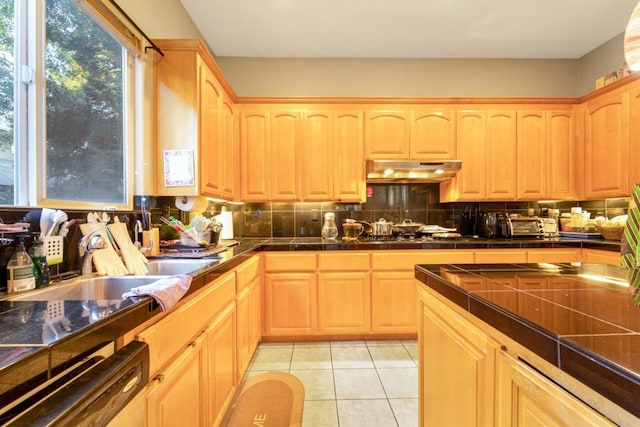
[
  {"x": 192, "y": 344},
  {"x": 159, "y": 378}
]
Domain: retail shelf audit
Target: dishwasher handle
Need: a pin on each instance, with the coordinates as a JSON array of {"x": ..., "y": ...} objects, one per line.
[{"x": 96, "y": 396}]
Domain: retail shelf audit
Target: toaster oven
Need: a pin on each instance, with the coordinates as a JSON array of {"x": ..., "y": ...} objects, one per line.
[{"x": 525, "y": 227}]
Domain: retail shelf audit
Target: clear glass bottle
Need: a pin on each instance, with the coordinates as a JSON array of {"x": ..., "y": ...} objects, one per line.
[
  {"x": 329, "y": 228},
  {"x": 20, "y": 276}
]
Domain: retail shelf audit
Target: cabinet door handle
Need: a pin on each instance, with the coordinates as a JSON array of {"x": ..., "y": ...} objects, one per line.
[
  {"x": 192, "y": 344},
  {"x": 159, "y": 378}
]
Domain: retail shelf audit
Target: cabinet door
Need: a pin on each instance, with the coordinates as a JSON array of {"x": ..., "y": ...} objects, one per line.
[
  {"x": 221, "y": 366},
  {"x": 344, "y": 302},
  {"x": 526, "y": 398},
  {"x": 393, "y": 302},
  {"x": 532, "y": 155},
  {"x": 254, "y": 151},
  {"x": 177, "y": 118},
  {"x": 561, "y": 159},
  {"x": 248, "y": 324},
  {"x": 433, "y": 134},
  {"x": 290, "y": 303},
  {"x": 176, "y": 396},
  {"x": 348, "y": 157},
  {"x": 212, "y": 153},
  {"x": 471, "y": 181},
  {"x": 607, "y": 146},
  {"x": 284, "y": 139},
  {"x": 501, "y": 155},
  {"x": 634, "y": 134},
  {"x": 228, "y": 149},
  {"x": 317, "y": 156},
  {"x": 386, "y": 135},
  {"x": 456, "y": 368}
]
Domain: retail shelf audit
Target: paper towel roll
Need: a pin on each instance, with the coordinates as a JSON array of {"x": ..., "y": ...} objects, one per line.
[
  {"x": 226, "y": 219},
  {"x": 191, "y": 203}
]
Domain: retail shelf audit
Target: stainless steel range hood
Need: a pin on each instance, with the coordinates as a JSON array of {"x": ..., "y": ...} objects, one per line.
[{"x": 397, "y": 171}]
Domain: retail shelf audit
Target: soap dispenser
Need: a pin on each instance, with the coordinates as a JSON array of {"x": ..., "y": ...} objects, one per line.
[{"x": 20, "y": 274}]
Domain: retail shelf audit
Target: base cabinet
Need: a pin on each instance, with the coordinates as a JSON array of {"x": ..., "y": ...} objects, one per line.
[
  {"x": 469, "y": 376},
  {"x": 221, "y": 364},
  {"x": 456, "y": 368},
  {"x": 393, "y": 307},
  {"x": 526, "y": 398},
  {"x": 344, "y": 302},
  {"x": 177, "y": 395}
]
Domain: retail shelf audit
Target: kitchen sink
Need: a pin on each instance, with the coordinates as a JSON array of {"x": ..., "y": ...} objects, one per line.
[
  {"x": 89, "y": 288},
  {"x": 171, "y": 266}
]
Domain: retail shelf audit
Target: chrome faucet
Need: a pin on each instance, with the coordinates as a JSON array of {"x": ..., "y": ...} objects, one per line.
[
  {"x": 137, "y": 231},
  {"x": 88, "y": 244}
]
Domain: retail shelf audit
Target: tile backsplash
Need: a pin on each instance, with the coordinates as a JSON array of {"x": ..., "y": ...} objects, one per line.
[{"x": 393, "y": 202}]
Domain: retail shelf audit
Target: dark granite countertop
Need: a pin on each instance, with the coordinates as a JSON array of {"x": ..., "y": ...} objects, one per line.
[
  {"x": 317, "y": 243},
  {"x": 40, "y": 338},
  {"x": 581, "y": 319}
]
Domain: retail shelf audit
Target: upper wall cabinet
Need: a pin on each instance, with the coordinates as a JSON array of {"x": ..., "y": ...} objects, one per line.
[
  {"x": 386, "y": 134},
  {"x": 194, "y": 119},
  {"x": 486, "y": 144},
  {"x": 269, "y": 138},
  {"x": 607, "y": 145},
  {"x": 332, "y": 156},
  {"x": 433, "y": 134},
  {"x": 634, "y": 135},
  {"x": 427, "y": 133},
  {"x": 546, "y": 155}
]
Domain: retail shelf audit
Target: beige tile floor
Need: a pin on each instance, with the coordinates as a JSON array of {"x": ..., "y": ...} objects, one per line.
[{"x": 349, "y": 383}]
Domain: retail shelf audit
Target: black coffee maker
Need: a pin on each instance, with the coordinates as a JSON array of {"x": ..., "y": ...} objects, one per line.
[
  {"x": 467, "y": 225},
  {"x": 492, "y": 224}
]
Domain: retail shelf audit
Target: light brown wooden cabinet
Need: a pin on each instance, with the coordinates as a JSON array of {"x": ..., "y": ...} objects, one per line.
[
  {"x": 598, "y": 256},
  {"x": 486, "y": 144},
  {"x": 386, "y": 134},
  {"x": 177, "y": 396},
  {"x": 344, "y": 302},
  {"x": 248, "y": 311},
  {"x": 455, "y": 382},
  {"x": 332, "y": 156},
  {"x": 432, "y": 134},
  {"x": 546, "y": 155},
  {"x": 221, "y": 377},
  {"x": 192, "y": 115},
  {"x": 526, "y": 398},
  {"x": 193, "y": 353},
  {"x": 607, "y": 145},
  {"x": 269, "y": 139}
]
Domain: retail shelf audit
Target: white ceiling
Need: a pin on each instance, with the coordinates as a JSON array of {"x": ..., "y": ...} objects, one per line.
[{"x": 408, "y": 28}]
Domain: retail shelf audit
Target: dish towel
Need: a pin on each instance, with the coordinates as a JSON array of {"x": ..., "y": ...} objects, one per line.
[
  {"x": 630, "y": 247},
  {"x": 166, "y": 291}
]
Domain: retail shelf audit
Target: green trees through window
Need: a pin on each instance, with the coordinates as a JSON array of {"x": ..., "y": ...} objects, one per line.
[
  {"x": 84, "y": 92},
  {"x": 85, "y": 119}
]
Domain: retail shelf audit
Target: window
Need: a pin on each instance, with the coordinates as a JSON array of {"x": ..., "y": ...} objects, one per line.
[
  {"x": 7, "y": 82},
  {"x": 75, "y": 142}
]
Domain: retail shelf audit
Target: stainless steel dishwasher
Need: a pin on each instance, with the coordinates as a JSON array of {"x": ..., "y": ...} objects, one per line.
[{"x": 90, "y": 393}]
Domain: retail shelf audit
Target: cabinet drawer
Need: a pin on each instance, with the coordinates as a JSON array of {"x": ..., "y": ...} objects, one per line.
[
  {"x": 406, "y": 260},
  {"x": 605, "y": 257},
  {"x": 247, "y": 272},
  {"x": 343, "y": 261},
  {"x": 289, "y": 262},
  {"x": 174, "y": 331},
  {"x": 553, "y": 255},
  {"x": 492, "y": 256}
]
